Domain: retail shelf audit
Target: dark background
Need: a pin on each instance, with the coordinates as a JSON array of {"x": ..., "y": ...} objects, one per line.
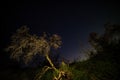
[{"x": 73, "y": 21}]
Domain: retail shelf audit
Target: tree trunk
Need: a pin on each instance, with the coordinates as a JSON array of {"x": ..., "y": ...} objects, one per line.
[{"x": 50, "y": 62}]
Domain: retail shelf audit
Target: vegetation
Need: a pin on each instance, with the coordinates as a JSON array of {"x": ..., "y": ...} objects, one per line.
[
  {"x": 103, "y": 62},
  {"x": 25, "y": 46}
]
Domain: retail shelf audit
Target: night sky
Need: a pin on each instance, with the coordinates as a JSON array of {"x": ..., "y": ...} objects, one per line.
[{"x": 73, "y": 21}]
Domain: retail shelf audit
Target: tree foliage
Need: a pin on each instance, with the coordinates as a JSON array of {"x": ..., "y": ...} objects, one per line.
[
  {"x": 25, "y": 46},
  {"x": 107, "y": 41}
]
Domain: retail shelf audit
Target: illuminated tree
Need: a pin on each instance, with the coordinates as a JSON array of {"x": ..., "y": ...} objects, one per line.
[{"x": 25, "y": 46}]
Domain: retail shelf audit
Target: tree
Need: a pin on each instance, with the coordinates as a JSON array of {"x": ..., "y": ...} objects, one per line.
[
  {"x": 110, "y": 38},
  {"x": 25, "y": 46},
  {"x": 107, "y": 48},
  {"x": 107, "y": 44}
]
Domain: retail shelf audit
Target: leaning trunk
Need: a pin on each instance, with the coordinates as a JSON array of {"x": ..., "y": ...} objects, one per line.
[{"x": 50, "y": 62}]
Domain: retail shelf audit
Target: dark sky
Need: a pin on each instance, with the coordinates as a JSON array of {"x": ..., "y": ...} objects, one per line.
[{"x": 73, "y": 21}]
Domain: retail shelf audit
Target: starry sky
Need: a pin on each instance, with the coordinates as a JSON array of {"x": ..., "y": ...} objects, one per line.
[{"x": 73, "y": 21}]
